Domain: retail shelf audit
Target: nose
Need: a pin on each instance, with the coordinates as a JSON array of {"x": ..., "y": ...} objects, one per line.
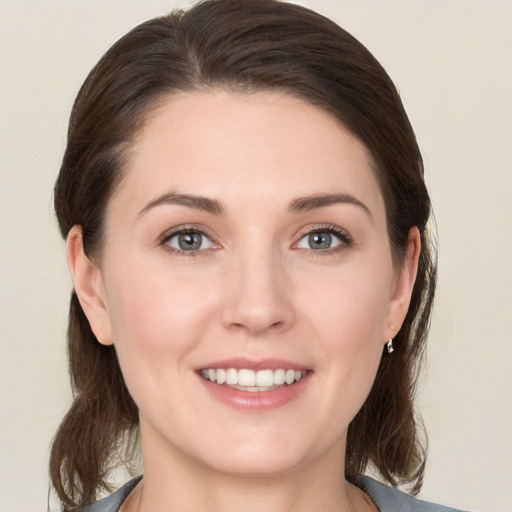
[{"x": 258, "y": 296}]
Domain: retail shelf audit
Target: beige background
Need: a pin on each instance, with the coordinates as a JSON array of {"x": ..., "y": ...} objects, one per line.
[{"x": 451, "y": 61}]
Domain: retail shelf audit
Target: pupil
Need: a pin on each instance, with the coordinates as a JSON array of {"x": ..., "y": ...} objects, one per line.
[
  {"x": 189, "y": 241},
  {"x": 320, "y": 240}
]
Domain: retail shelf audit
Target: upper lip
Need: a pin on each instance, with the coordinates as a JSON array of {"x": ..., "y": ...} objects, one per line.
[{"x": 254, "y": 364}]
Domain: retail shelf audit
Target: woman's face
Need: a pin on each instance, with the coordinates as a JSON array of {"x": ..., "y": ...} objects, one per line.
[{"x": 247, "y": 243}]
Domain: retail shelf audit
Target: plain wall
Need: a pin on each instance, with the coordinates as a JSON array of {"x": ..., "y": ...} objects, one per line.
[{"x": 451, "y": 62}]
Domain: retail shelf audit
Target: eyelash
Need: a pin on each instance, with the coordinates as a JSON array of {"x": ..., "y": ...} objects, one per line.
[
  {"x": 345, "y": 240},
  {"x": 166, "y": 237}
]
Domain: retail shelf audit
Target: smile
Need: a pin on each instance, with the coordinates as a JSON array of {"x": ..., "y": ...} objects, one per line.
[{"x": 250, "y": 380}]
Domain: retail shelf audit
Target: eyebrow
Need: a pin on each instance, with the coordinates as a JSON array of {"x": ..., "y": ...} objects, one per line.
[
  {"x": 190, "y": 201},
  {"x": 299, "y": 205},
  {"x": 308, "y": 203}
]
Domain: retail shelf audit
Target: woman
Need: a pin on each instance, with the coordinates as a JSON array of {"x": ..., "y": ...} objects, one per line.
[{"x": 243, "y": 201}]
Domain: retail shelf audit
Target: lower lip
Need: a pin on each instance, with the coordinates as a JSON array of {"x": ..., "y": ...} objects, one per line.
[{"x": 257, "y": 400}]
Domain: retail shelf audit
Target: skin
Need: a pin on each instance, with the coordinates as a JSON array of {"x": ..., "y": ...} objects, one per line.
[{"x": 255, "y": 289}]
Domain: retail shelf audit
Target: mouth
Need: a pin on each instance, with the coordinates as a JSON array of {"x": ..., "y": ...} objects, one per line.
[{"x": 252, "y": 381}]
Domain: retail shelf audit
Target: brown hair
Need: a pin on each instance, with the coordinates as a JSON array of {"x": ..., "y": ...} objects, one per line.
[{"x": 240, "y": 45}]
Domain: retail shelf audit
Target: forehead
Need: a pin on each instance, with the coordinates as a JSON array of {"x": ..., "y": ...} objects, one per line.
[{"x": 245, "y": 147}]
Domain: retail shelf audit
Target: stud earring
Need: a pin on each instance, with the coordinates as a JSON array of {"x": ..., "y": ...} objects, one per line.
[{"x": 389, "y": 345}]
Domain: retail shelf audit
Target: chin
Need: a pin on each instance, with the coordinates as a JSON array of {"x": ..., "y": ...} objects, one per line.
[
  {"x": 269, "y": 454},
  {"x": 262, "y": 465}
]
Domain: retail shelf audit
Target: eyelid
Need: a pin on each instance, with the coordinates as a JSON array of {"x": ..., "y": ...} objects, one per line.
[
  {"x": 340, "y": 233},
  {"x": 343, "y": 235},
  {"x": 187, "y": 228}
]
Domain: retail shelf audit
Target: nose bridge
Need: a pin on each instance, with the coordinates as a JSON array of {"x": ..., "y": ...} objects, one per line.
[{"x": 259, "y": 297}]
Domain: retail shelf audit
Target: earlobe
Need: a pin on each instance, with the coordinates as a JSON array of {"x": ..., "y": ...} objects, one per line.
[
  {"x": 404, "y": 284},
  {"x": 88, "y": 283}
]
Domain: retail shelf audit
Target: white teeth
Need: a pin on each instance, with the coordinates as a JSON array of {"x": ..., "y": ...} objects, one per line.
[
  {"x": 231, "y": 376},
  {"x": 265, "y": 378},
  {"x": 249, "y": 380},
  {"x": 279, "y": 377},
  {"x": 221, "y": 376},
  {"x": 246, "y": 378}
]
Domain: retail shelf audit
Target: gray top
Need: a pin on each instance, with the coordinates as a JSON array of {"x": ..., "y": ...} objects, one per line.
[
  {"x": 386, "y": 498},
  {"x": 389, "y": 499}
]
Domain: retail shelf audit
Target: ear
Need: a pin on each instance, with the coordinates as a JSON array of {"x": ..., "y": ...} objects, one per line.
[
  {"x": 88, "y": 283},
  {"x": 404, "y": 283}
]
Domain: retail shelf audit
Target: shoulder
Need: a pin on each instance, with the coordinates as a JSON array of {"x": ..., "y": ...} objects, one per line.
[
  {"x": 113, "y": 502},
  {"x": 389, "y": 499}
]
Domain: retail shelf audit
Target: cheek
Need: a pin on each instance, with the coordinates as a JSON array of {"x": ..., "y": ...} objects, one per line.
[
  {"x": 157, "y": 321},
  {"x": 346, "y": 316},
  {"x": 155, "y": 316},
  {"x": 350, "y": 307}
]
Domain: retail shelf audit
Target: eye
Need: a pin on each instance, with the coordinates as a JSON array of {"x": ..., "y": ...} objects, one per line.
[
  {"x": 189, "y": 240},
  {"x": 323, "y": 239}
]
